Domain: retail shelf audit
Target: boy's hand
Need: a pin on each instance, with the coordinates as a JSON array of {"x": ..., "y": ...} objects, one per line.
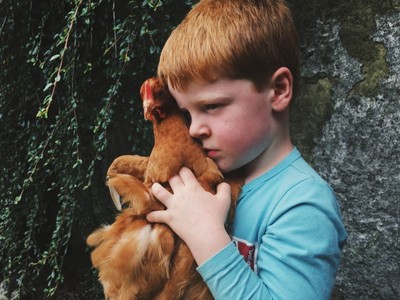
[{"x": 195, "y": 215}]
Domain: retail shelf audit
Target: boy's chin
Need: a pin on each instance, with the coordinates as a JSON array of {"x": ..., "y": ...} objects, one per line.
[
  {"x": 221, "y": 166},
  {"x": 226, "y": 169}
]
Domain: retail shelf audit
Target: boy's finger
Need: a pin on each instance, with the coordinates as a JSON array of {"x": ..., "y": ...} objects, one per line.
[
  {"x": 224, "y": 189},
  {"x": 187, "y": 176},
  {"x": 162, "y": 194},
  {"x": 224, "y": 195},
  {"x": 156, "y": 217},
  {"x": 175, "y": 181}
]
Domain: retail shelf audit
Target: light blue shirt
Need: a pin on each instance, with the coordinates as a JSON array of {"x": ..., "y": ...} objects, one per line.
[{"x": 290, "y": 235}]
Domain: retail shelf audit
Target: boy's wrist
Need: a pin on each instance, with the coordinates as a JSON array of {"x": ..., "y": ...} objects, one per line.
[{"x": 204, "y": 246}]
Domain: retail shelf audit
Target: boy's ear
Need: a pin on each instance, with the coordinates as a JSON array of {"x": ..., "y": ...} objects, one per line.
[{"x": 282, "y": 87}]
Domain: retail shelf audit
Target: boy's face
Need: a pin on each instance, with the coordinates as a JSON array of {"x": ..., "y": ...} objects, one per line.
[{"x": 231, "y": 118}]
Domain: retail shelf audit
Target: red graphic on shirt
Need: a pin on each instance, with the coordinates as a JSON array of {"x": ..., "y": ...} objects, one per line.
[{"x": 247, "y": 250}]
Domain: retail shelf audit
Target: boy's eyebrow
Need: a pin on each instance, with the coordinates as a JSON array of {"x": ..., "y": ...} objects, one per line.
[
  {"x": 205, "y": 101},
  {"x": 212, "y": 100}
]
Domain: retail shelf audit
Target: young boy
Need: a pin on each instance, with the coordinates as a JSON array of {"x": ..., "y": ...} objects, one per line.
[{"x": 233, "y": 66}]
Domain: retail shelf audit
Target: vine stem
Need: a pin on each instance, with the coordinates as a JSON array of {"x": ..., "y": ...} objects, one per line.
[
  {"x": 30, "y": 178},
  {"x": 115, "y": 33},
  {"x": 58, "y": 76},
  {"x": 2, "y": 25}
]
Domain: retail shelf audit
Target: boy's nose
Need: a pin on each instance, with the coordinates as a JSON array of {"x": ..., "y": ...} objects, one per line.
[{"x": 199, "y": 130}]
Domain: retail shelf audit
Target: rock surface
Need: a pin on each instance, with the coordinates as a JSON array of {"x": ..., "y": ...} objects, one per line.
[{"x": 347, "y": 122}]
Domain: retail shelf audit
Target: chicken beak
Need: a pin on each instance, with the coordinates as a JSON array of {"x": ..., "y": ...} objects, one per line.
[{"x": 115, "y": 198}]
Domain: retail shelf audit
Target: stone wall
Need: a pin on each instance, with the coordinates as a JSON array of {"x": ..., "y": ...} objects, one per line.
[{"x": 346, "y": 121}]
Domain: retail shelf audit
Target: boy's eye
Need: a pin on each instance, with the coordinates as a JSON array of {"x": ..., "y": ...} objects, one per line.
[{"x": 212, "y": 106}]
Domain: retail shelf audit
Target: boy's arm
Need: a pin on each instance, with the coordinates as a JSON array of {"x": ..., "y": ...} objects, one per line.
[
  {"x": 298, "y": 256},
  {"x": 195, "y": 215}
]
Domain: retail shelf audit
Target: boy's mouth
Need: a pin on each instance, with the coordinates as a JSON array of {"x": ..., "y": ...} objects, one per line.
[{"x": 212, "y": 153}]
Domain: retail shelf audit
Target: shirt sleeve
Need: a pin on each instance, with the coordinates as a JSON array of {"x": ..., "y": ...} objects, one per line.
[{"x": 297, "y": 257}]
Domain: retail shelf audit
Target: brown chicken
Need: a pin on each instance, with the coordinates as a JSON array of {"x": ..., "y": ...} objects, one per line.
[{"x": 137, "y": 259}]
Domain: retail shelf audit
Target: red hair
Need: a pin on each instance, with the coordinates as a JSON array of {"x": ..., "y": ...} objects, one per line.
[{"x": 242, "y": 39}]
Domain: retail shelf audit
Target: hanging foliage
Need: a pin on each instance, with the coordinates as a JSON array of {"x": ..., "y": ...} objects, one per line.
[{"x": 69, "y": 82}]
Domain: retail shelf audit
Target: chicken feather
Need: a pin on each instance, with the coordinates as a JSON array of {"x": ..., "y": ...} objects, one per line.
[{"x": 137, "y": 259}]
